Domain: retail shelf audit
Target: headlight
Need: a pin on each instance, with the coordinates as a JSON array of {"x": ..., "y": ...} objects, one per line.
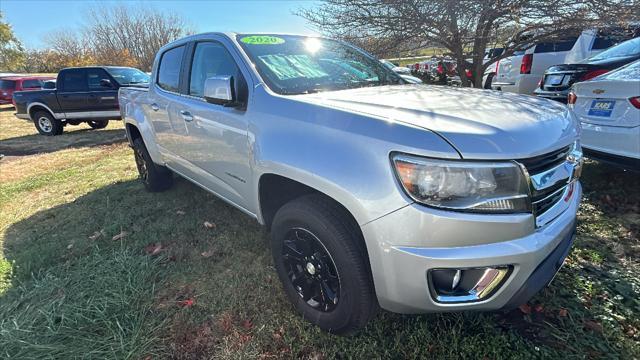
[{"x": 493, "y": 187}]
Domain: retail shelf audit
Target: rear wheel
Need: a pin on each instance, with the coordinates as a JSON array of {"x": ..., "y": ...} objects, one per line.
[
  {"x": 46, "y": 124},
  {"x": 98, "y": 124},
  {"x": 321, "y": 261},
  {"x": 154, "y": 177}
]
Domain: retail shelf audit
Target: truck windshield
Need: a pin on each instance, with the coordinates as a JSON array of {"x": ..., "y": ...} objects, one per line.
[
  {"x": 293, "y": 65},
  {"x": 128, "y": 76}
]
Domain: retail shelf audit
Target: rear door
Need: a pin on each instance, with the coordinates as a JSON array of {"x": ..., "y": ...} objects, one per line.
[
  {"x": 72, "y": 93},
  {"x": 164, "y": 94},
  {"x": 102, "y": 99},
  {"x": 550, "y": 53}
]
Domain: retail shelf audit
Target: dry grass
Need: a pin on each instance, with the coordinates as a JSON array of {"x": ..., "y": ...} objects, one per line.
[{"x": 68, "y": 290}]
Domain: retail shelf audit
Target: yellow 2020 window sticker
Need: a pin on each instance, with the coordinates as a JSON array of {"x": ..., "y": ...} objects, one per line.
[{"x": 262, "y": 40}]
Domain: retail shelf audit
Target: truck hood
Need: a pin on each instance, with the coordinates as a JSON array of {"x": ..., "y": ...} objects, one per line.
[{"x": 480, "y": 124}]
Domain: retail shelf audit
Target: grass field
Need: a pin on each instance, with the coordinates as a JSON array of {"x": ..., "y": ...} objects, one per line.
[{"x": 92, "y": 266}]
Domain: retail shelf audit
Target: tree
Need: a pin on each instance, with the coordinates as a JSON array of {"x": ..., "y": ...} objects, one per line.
[
  {"x": 466, "y": 27},
  {"x": 11, "y": 51},
  {"x": 131, "y": 35}
]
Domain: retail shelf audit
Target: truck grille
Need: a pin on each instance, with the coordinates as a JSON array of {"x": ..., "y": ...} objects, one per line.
[
  {"x": 547, "y": 161},
  {"x": 549, "y": 178}
]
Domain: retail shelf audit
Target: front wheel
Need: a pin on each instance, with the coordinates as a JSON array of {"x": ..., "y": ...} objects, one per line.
[
  {"x": 322, "y": 264},
  {"x": 98, "y": 124}
]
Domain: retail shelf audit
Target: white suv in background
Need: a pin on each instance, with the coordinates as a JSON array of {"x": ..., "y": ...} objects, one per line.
[{"x": 521, "y": 72}]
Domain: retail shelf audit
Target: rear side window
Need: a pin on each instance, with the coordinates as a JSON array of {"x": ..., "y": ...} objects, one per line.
[
  {"x": 29, "y": 84},
  {"x": 169, "y": 70},
  {"x": 564, "y": 45},
  {"x": 7, "y": 84},
  {"x": 606, "y": 38},
  {"x": 93, "y": 79},
  {"x": 210, "y": 59},
  {"x": 74, "y": 80}
]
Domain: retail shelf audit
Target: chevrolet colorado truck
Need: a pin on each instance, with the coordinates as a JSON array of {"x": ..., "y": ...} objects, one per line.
[
  {"x": 87, "y": 94},
  {"x": 377, "y": 193}
]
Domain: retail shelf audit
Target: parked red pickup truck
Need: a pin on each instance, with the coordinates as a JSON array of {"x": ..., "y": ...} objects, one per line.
[{"x": 8, "y": 85}]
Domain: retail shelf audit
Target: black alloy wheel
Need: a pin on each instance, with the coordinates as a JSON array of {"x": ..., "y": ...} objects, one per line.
[{"x": 311, "y": 269}]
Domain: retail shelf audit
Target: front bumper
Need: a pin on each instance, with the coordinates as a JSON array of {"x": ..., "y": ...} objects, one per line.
[{"x": 406, "y": 244}]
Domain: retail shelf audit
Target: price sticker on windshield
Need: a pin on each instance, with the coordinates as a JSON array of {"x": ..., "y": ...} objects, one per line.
[{"x": 262, "y": 40}]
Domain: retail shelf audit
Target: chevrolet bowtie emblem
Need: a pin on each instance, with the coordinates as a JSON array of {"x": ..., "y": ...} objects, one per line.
[{"x": 598, "y": 91}]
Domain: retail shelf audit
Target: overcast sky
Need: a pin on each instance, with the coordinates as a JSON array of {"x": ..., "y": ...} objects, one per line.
[{"x": 31, "y": 20}]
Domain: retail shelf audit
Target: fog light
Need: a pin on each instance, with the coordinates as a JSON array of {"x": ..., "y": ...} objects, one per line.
[{"x": 466, "y": 285}]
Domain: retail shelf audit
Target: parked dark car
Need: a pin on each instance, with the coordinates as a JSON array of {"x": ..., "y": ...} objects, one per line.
[
  {"x": 87, "y": 94},
  {"x": 11, "y": 84},
  {"x": 558, "y": 79}
]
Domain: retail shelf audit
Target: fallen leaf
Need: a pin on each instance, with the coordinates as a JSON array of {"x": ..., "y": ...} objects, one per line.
[
  {"x": 153, "y": 249},
  {"x": 209, "y": 225},
  {"x": 95, "y": 235},
  {"x": 186, "y": 303},
  {"x": 525, "y": 308},
  {"x": 119, "y": 236},
  {"x": 69, "y": 246},
  {"x": 563, "y": 313},
  {"x": 247, "y": 324},
  {"x": 538, "y": 308},
  {"x": 593, "y": 326},
  {"x": 208, "y": 253},
  {"x": 180, "y": 212}
]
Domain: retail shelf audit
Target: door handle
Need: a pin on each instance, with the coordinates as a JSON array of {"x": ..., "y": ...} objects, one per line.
[
  {"x": 186, "y": 115},
  {"x": 155, "y": 107}
]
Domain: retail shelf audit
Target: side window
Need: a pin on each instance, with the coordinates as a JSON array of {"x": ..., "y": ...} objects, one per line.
[
  {"x": 30, "y": 84},
  {"x": 74, "y": 80},
  {"x": 93, "y": 79},
  {"x": 563, "y": 45},
  {"x": 169, "y": 71},
  {"x": 210, "y": 59}
]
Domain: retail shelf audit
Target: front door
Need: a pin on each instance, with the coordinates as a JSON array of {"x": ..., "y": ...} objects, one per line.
[
  {"x": 218, "y": 143},
  {"x": 102, "y": 100}
]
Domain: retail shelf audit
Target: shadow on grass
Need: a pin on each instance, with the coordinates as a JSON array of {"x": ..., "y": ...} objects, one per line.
[
  {"x": 67, "y": 265},
  {"x": 36, "y": 143}
]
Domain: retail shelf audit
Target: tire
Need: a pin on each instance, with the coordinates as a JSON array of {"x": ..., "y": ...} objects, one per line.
[
  {"x": 487, "y": 83},
  {"x": 340, "y": 308},
  {"x": 46, "y": 124},
  {"x": 98, "y": 124},
  {"x": 154, "y": 177}
]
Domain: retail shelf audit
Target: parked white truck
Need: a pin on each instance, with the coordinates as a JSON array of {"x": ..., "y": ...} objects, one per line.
[{"x": 376, "y": 192}]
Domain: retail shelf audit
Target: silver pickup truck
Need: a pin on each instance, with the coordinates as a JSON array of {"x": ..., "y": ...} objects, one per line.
[{"x": 377, "y": 193}]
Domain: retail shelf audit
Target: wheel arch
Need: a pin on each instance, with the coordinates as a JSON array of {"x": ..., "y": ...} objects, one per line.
[
  {"x": 33, "y": 108},
  {"x": 141, "y": 130}
]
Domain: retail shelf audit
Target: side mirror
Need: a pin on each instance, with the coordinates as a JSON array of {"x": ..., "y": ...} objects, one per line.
[
  {"x": 106, "y": 83},
  {"x": 220, "y": 90}
]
